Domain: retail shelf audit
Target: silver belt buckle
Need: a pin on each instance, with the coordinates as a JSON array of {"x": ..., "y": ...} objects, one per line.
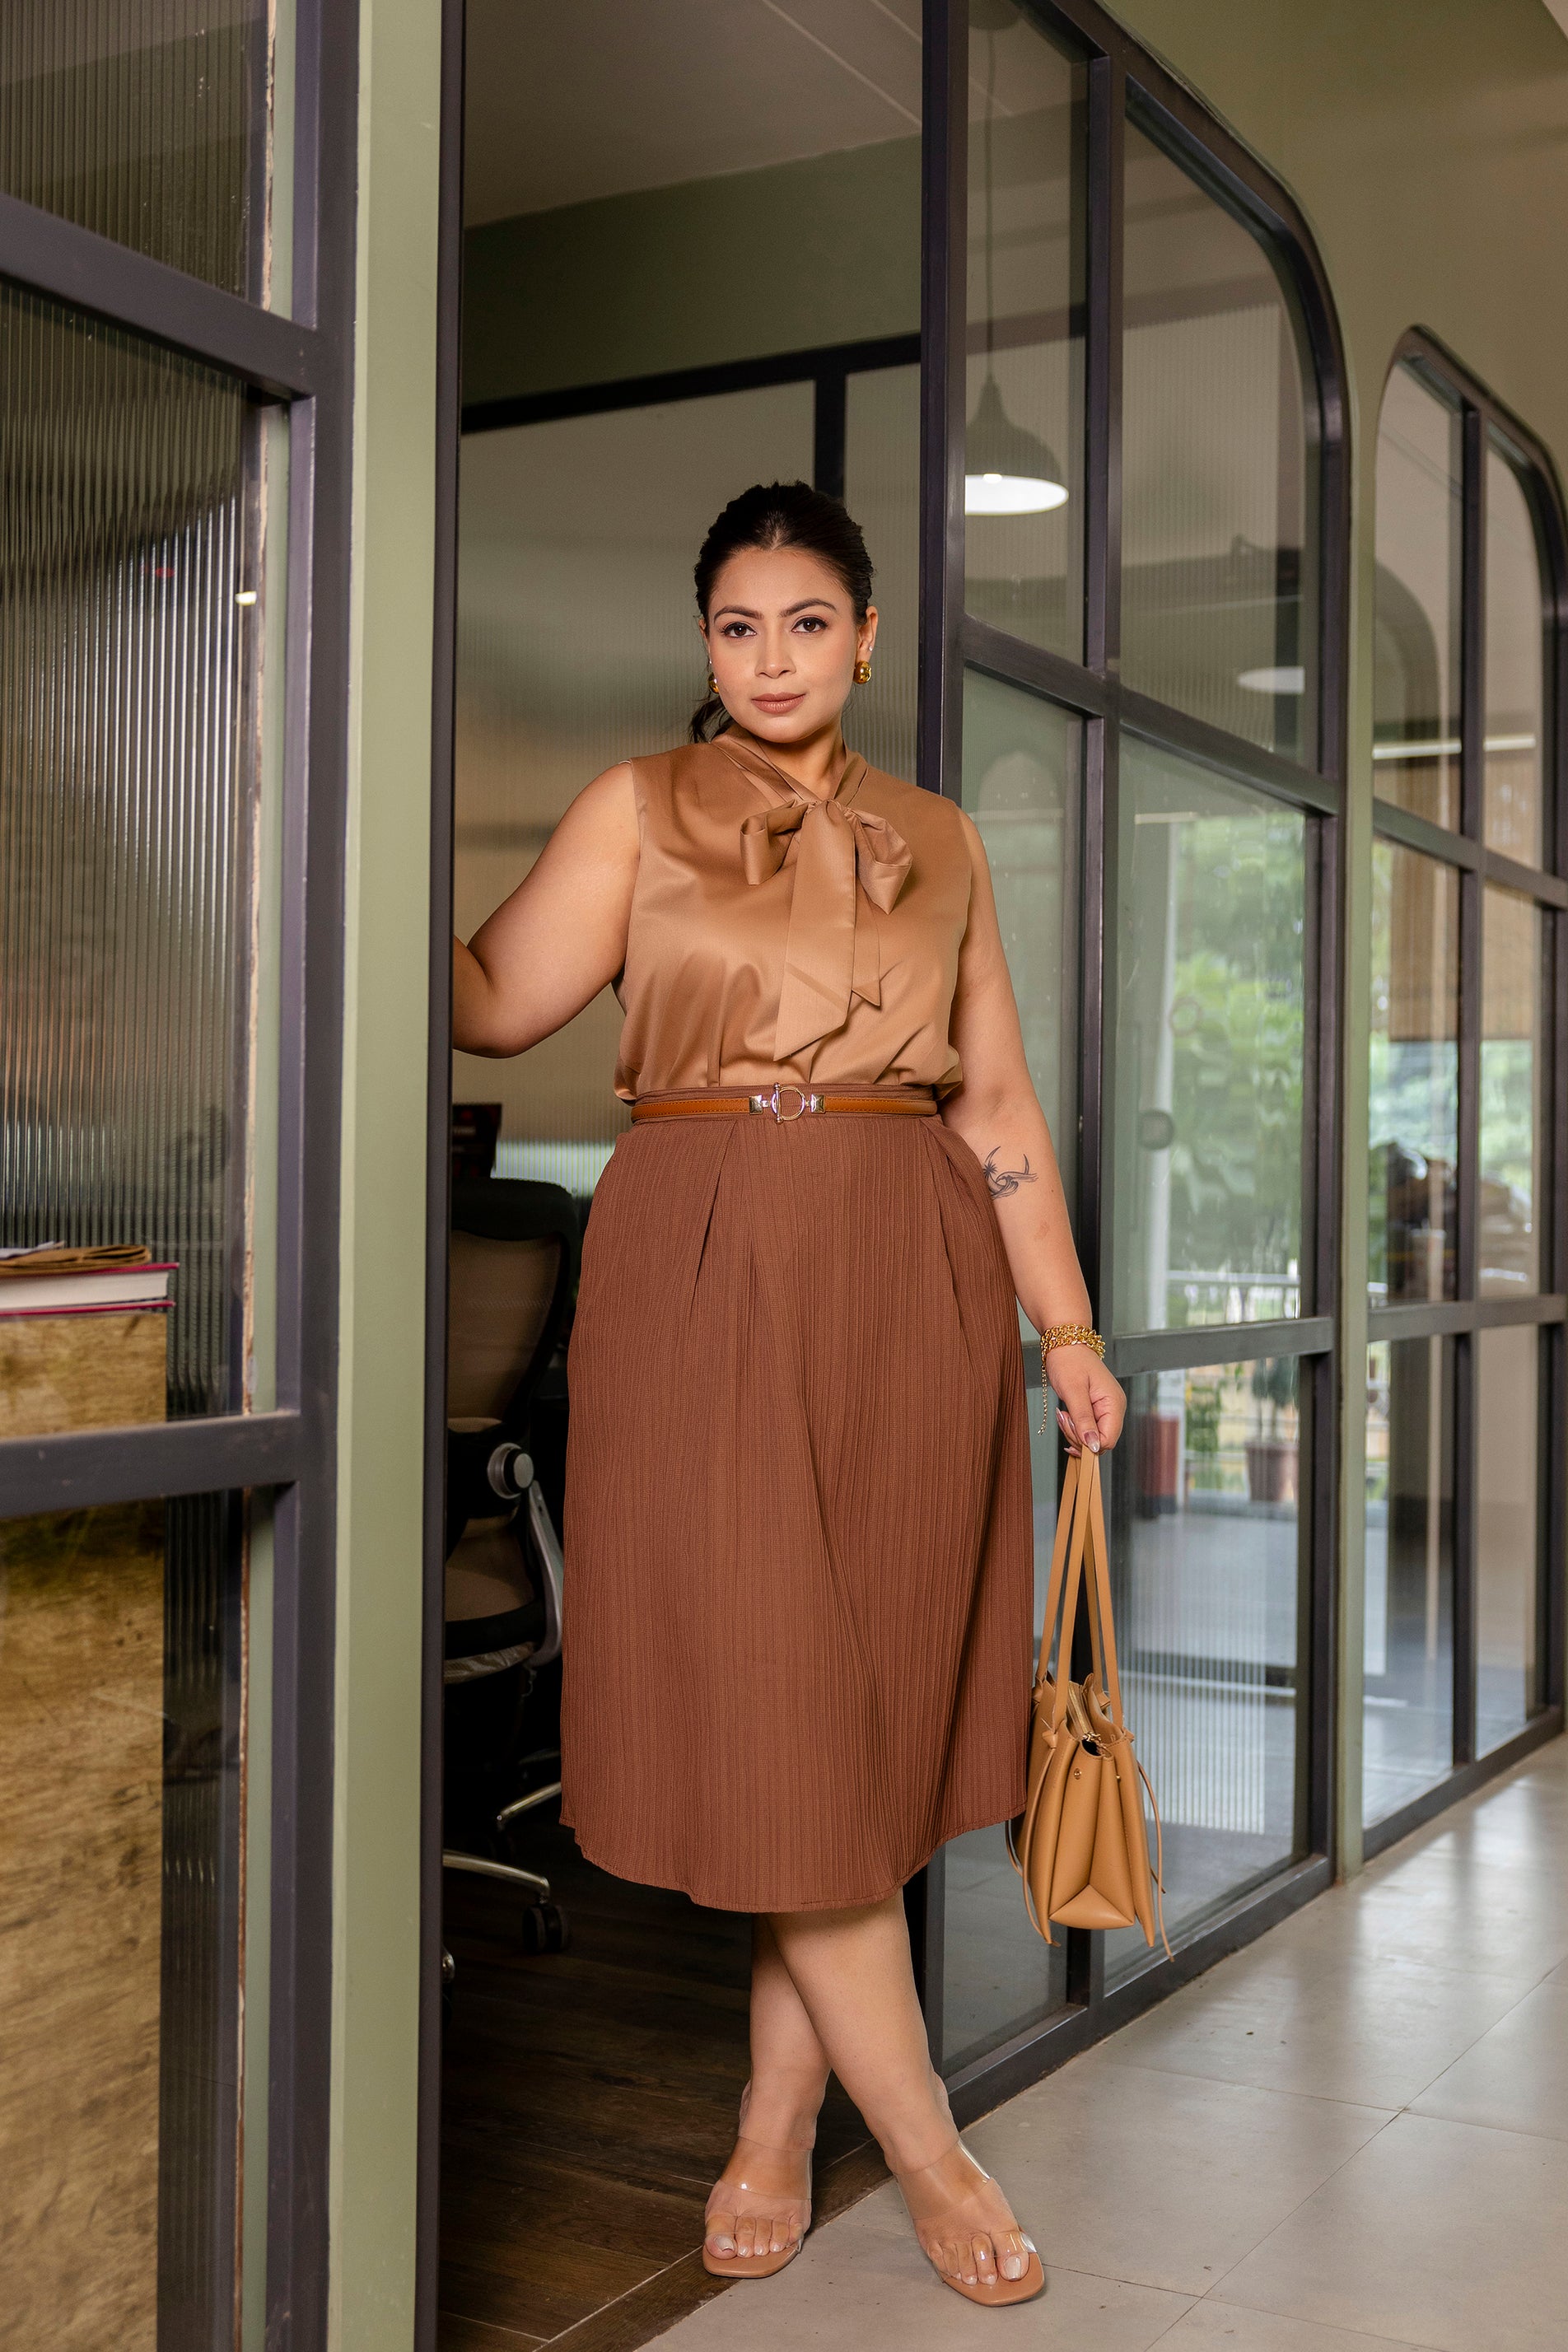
[{"x": 770, "y": 1101}]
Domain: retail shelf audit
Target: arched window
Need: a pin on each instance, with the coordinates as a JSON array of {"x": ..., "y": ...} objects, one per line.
[
  {"x": 1133, "y": 613},
  {"x": 1467, "y": 1252}
]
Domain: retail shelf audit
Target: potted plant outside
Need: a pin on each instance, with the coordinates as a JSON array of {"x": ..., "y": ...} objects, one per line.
[{"x": 1272, "y": 1459}]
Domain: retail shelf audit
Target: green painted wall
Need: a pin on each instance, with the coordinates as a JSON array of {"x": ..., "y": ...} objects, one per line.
[
  {"x": 381, "y": 1419},
  {"x": 825, "y": 251},
  {"x": 1429, "y": 148}
]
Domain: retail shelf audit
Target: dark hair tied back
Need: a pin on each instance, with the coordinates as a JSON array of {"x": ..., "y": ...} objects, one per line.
[{"x": 780, "y": 514}]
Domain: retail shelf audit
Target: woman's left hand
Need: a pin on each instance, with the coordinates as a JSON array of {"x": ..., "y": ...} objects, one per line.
[{"x": 1092, "y": 1406}]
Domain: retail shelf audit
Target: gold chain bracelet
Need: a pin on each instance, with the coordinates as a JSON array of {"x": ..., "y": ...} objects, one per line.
[{"x": 1063, "y": 1334}]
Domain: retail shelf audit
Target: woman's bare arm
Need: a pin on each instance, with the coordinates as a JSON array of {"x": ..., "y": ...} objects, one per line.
[
  {"x": 997, "y": 1113},
  {"x": 560, "y": 937}
]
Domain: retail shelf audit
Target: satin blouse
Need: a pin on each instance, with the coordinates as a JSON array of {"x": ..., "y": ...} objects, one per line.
[{"x": 778, "y": 934}]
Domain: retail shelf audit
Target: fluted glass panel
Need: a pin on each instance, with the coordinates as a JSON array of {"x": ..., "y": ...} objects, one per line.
[
  {"x": 577, "y": 647},
  {"x": 1219, "y": 491},
  {"x": 1515, "y": 666},
  {"x": 1407, "y": 1731},
  {"x": 1023, "y": 784},
  {"x": 1508, "y": 1531},
  {"x": 203, "y": 1538},
  {"x": 121, "y": 1661},
  {"x": 145, "y": 124},
  {"x": 881, "y": 490},
  {"x": 1023, "y": 466},
  {"x": 1420, "y": 533},
  {"x": 130, "y": 662},
  {"x": 1513, "y": 1077},
  {"x": 1414, "y": 1078},
  {"x": 1206, "y": 1583}
]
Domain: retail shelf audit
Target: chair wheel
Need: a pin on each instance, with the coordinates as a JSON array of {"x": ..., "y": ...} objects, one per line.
[{"x": 545, "y": 1929}]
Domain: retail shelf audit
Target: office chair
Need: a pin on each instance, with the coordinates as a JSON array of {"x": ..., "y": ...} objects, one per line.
[{"x": 513, "y": 1260}]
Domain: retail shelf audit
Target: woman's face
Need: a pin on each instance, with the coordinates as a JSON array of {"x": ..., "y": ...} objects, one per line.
[{"x": 783, "y": 642}]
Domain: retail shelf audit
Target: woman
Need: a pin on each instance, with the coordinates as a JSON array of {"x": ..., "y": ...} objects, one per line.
[{"x": 798, "y": 1525}]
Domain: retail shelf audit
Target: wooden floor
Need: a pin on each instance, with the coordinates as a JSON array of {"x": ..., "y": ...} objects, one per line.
[{"x": 589, "y": 2102}]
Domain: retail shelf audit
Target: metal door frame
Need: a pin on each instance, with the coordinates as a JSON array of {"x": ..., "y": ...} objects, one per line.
[{"x": 303, "y": 364}]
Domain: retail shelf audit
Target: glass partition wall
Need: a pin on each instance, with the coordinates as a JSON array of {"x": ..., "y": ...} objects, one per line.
[
  {"x": 1133, "y": 606},
  {"x": 1465, "y": 1268}
]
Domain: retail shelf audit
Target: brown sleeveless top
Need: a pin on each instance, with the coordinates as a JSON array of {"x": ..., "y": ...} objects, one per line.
[{"x": 777, "y": 935}]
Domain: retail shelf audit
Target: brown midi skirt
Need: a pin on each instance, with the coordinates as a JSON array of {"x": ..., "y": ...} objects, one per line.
[{"x": 799, "y": 1561}]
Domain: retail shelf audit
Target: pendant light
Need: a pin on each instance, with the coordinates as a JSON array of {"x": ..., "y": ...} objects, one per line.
[{"x": 1007, "y": 471}]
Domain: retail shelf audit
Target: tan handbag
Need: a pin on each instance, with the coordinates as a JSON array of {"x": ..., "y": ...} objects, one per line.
[{"x": 1081, "y": 1845}]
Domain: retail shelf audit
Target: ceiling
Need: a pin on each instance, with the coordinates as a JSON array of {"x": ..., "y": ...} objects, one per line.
[{"x": 569, "y": 100}]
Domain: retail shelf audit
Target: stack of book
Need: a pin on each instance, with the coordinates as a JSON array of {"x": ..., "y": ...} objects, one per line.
[
  {"x": 83, "y": 1342},
  {"x": 83, "y": 1345},
  {"x": 50, "y": 1279}
]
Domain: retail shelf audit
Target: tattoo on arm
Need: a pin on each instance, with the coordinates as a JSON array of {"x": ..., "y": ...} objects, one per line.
[{"x": 1003, "y": 1180}]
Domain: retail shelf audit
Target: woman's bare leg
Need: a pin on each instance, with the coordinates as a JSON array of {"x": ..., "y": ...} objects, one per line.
[
  {"x": 852, "y": 1972},
  {"x": 761, "y": 2203}
]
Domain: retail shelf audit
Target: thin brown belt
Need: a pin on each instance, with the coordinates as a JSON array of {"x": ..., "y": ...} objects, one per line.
[{"x": 784, "y": 1103}]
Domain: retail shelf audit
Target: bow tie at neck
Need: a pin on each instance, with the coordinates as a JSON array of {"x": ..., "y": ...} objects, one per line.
[{"x": 838, "y": 853}]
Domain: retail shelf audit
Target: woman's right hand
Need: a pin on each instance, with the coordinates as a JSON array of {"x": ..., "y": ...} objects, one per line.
[{"x": 1092, "y": 1402}]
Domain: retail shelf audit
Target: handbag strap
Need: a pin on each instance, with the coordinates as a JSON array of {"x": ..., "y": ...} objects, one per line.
[
  {"x": 1080, "y": 1519},
  {"x": 1081, "y": 1529},
  {"x": 1159, "y": 1856},
  {"x": 1094, "y": 1608},
  {"x": 1066, "y": 1570},
  {"x": 1099, "y": 1595},
  {"x": 1102, "y": 1623},
  {"x": 1061, "y": 1597},
  {"x": 1065, "y": 1503}
]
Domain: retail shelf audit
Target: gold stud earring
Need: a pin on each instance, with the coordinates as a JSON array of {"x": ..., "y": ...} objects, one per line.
[{"x": 862, "y": 673}]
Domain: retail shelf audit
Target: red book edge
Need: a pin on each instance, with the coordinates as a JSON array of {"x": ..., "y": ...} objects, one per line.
[
  {"x": 93, "y": 1305},
  {"x": 98, "y": 1307}
]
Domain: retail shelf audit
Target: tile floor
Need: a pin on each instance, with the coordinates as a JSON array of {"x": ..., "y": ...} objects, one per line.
[{"x": 1355, "y": 2133}]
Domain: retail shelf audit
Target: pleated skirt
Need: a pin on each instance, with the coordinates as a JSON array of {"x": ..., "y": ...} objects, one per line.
[{"x": 799, "y": 1559}]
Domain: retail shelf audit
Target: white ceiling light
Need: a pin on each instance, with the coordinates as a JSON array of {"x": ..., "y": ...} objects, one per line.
[
  {"x": 1009, "y": 471},
  {"x": 1291, "y": 678},
  {"x": 1011, "y": 494}
]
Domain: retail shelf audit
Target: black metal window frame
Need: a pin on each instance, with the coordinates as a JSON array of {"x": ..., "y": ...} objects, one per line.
[
  {"x": 1125, "y": 84},
  {"x": 1464, "y": 851},
  {"x": 826, "y": 367},
  {"x": 303, "y": 364}
]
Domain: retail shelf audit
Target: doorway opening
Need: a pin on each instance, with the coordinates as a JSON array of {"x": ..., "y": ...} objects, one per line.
[{"x": 691, "y": 261}]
